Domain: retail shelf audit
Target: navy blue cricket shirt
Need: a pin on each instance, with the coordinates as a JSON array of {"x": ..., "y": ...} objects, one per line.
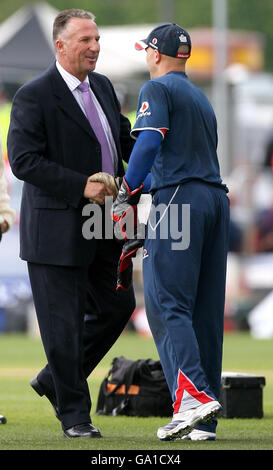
[{"x": 182, "y": 113}]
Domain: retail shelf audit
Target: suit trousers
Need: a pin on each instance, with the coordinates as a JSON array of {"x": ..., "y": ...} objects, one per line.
[{"x": 80, "y": 316}]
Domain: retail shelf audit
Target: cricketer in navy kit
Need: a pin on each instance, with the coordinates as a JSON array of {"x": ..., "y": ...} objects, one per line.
[{"x": 184, "y": 286}]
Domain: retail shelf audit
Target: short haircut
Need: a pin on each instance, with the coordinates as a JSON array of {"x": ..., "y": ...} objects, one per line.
[{"x": 64, "y": 16}]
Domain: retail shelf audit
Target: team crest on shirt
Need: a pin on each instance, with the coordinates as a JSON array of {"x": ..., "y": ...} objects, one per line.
[{"x": 143, "y": 110}]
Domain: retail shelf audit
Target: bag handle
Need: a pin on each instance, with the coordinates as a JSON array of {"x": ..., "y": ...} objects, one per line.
[
  {"x": 129, "y": 375},
  {"x": 127, "y": 380}
]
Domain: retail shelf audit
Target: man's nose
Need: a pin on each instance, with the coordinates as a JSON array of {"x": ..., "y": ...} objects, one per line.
[{"x": 94, "y": 46}]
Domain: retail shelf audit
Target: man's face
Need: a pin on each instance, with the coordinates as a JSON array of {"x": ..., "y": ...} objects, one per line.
[{"x": 78, "y": 47}]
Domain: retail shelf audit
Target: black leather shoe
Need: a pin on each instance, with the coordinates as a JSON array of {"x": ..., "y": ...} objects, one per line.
[
  {"x": 82, "y": 430},
  {"x": 41, "y": 391}
]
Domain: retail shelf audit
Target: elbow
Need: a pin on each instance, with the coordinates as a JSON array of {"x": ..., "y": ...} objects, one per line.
[
  {"x": 17, "y": 169},
  {"x": 151, "y": 140}
]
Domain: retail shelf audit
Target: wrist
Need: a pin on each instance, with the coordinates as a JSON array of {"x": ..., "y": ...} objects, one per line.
[{"x": 131, "y": 192}]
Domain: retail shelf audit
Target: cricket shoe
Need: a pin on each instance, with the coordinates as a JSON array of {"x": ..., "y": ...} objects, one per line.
[
  {"x": 188, "y": 420},
  {"x": 199, "y": 435}
]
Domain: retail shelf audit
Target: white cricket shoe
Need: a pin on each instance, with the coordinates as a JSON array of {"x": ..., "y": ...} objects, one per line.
[
  {"x": 199, "y": 435},
  {"x": 188, "y": 420}
]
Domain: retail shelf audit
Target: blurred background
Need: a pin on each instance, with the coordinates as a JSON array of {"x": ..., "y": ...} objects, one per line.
[{"x": 232, "y": 61}]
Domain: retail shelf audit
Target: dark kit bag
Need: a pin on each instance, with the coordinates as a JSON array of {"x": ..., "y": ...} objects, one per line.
[{"x": 135, "y": 388}]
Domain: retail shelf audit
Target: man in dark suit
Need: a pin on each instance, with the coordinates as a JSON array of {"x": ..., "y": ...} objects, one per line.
[{"x": 54, "y": 147}]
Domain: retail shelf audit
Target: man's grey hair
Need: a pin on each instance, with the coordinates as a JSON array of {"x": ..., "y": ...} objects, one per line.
[{"x": 64, "y": 16}]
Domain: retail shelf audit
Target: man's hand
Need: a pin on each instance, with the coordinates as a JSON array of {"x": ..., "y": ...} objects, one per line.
[
  {"x": 96, "y": 192},
  {"x": 129, "y": 251},
  {"x": 4, "y": 227},
  {"x": 110, "y": 181}
]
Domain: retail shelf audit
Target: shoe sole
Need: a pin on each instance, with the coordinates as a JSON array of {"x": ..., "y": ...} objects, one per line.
[
  {"x": 199, "y": 438},
  {"x": 94, "y": 436},
  {"x": 205, "y": 414},
  {"x": 204, "y": 439}
]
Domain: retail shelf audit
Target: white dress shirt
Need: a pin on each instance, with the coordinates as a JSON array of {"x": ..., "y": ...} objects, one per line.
[{"x": 73, "y": 83}]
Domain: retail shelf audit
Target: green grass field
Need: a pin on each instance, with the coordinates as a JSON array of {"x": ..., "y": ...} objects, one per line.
[{"x": 31, "y": 424}]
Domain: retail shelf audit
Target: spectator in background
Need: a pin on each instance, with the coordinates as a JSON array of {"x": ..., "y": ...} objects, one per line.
[
  {"x": 268, "y": 163},
  {"x": 235, "y": 237},
  {"x": 7, "y": 215},
  {"x": 263, "y": 196}
]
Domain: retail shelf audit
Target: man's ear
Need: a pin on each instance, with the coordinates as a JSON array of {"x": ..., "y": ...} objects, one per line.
[
  {"x": 157, "y": 57},
  {"x": 59, "y": 45}
]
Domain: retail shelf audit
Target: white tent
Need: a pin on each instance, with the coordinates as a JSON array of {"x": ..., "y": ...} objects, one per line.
[
  {"x": 26, "y": 47},
  {"x": 118, "y": 56}
]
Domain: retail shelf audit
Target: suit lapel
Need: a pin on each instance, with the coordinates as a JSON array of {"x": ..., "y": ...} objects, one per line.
[
  {"x": 68, "y": 103},
  {"x": 70, "y": 106}
]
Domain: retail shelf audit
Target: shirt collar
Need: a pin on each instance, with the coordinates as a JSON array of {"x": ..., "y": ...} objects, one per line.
[{"x": 71, "y": 81}]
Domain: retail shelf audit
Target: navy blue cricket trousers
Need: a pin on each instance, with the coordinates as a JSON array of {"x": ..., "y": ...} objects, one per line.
[{"x": 184, "y": 288}]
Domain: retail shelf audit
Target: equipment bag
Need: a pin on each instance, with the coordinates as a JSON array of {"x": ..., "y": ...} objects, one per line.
[{"x": 135, "y": 388}]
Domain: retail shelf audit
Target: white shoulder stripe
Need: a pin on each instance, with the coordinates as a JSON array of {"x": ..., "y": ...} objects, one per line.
[{"x": 137, "y": 130}]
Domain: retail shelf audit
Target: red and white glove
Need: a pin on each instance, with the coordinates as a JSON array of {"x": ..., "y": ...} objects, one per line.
[{"x": 127, "y": 230}]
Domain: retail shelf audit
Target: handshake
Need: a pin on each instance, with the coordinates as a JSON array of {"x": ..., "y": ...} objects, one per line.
[{"x": 127, "y": 229}]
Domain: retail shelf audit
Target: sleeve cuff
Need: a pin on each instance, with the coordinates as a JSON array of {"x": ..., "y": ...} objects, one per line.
[{"x": 136, "y": 131}]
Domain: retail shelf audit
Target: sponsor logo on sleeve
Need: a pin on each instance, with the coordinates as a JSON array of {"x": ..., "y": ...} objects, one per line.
[{"x": 143, "y": 110}]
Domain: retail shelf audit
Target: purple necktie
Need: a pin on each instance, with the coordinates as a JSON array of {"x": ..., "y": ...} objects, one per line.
[{"x": 95, "y": 122}]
